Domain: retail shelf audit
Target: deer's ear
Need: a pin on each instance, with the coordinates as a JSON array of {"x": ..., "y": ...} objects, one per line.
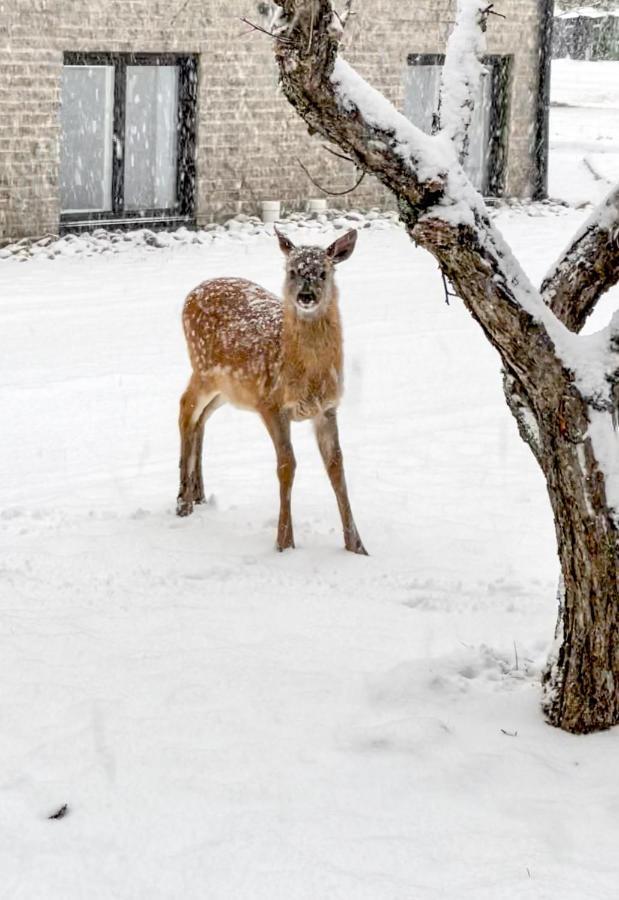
[
  {"x": 342, "y": 248},
  {"x": 285, "y": 244}
]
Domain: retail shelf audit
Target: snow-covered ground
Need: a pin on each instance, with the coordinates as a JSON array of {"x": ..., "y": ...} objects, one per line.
[
  {"x": 584, "y": 130},
  {"x": 225, "y": 722}
]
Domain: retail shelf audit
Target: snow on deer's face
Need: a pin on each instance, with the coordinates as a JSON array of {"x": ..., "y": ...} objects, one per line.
[{"x": 309, "y": 273}]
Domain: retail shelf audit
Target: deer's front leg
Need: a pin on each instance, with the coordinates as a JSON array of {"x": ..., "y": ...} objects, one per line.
[
  {"x": 329, "y": 443},
  {"x": 278, "y": 425}
]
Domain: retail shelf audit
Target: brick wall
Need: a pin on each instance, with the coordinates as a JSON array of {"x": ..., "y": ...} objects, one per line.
[{"x": 248, "y": 138}]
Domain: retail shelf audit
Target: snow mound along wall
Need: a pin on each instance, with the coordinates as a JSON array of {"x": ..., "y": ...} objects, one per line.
[{"x": 239, "y": 228}]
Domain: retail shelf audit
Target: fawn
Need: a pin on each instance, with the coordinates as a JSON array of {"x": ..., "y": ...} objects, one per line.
[{"x": 282, "y": 360}]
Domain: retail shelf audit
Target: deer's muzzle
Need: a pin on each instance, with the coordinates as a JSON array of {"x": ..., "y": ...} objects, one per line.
[{"x": 307, "y": 299}]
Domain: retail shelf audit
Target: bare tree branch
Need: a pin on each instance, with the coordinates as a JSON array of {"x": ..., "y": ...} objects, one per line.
[
  {"x": 254, "y": 27},
  {"x": 448, "y": 293},
  {"x": 490, "y": 11},
  {"x": 335, "y": 153},
  {"x": 325, "y": 190}
]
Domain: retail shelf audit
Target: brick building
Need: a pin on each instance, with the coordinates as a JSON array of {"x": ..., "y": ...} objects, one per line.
[{"x": 168, "y": 111}]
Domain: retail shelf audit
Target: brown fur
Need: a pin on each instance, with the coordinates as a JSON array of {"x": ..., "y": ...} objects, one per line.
[{"x": 281, "y": 359}]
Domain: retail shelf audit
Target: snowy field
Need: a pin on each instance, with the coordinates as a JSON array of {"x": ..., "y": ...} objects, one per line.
[
  {"x": 228, "y": 723},
  {"x": 584, "y": 130}
]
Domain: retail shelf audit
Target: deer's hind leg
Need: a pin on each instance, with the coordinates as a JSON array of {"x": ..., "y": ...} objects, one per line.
[
  {"x": 197, "y": 403},
  {"x": 198, "y": 483}
]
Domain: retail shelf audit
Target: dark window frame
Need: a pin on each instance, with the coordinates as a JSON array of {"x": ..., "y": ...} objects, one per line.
[
  {"x": 542, "y": 120},
  {"x": 183, "y": 211},
  {"x": 500, "y": 67}
]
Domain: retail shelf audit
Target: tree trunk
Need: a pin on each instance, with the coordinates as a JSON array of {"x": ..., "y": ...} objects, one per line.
[
  {"x": 581, "y": 683},
  {"x": 555, "y": 418}
]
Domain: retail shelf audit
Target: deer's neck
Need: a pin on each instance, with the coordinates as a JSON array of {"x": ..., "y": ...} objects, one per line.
[
  {"x": 312, "y": 345},
  {"x": 311, "y": 364}
]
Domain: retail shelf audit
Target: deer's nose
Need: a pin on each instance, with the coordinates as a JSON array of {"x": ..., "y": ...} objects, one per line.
[
  {"x": 307, "y": 298},
  {"x": 307, "y": 290}
]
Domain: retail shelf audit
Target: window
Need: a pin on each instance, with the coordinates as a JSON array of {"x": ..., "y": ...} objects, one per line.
[
  {"x": 127, "y": 126},
  {"x": 485, "y": 164}
]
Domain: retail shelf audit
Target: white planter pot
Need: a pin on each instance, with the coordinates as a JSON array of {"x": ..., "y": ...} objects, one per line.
[
  {"x": 271, "y": 210},
  {"x": 317, "y": 205}
]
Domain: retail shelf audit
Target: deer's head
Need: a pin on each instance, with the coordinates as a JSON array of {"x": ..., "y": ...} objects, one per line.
[{"x": 310, "y": 273}]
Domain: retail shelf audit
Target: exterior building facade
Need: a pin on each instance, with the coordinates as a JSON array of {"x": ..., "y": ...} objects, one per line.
[{"x": 146, "y": 112}]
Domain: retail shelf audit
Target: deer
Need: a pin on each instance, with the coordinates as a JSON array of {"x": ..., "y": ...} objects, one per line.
[{"x": 280, "y": 358}]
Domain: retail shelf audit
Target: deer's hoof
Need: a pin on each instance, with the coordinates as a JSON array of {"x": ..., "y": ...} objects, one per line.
[
  {"x": 357, "y": 547},
  {"x": 184, "y": 507},
  {"x": 285, "y": 545},
  {"x": 197, "y": 495}
]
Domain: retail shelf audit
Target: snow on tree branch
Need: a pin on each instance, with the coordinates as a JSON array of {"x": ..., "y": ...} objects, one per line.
[
  {"x": 587, "y": 268},
  {"x": 462, "y": 73}
]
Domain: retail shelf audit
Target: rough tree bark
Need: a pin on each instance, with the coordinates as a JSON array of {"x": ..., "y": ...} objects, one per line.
[{"x": 561, "y": 388}]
